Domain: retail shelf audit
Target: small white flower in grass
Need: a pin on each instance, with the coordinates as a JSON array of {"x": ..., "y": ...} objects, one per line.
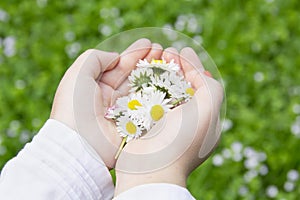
[
  {"x": 251, "y": 163},
  {"x": 258, "y": 77},
  {"x": 227, "y": 125},
  {"x": 3, "y": 15},
  {"x": 293, "y": 175},
  {"x": 128, "y": 128},
  {"x": 20, "y": 84},
  {"x": 295, "y": 129},
  {"x": 237, "y": 156},
  {"x": 263, "y": 170},
  {"x": 217, "y": 160},
  {"x": 226, "y": 153},
  {"x": 3, "y": 150},
  {"x": 249, "y": 152},
  {"x": 296, "y": 108},
  {"x": 237, "y": 147},
  {"x": 289, "y": 186},
  {"x": 272, "y": 191},
  {"x": 249, "y": 175},
  {"x": 243, "y": 190},
  {"x": 261, "y": 156}
]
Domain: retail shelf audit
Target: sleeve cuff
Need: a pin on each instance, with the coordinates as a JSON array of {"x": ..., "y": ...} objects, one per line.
[
  {"x": 156, "y": 191},
  {"x": 57, "y": 164},
  {"x": 79, "y": 163}
]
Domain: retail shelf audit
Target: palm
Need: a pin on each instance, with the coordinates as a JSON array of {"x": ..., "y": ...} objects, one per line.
[
  {"x": 113, "y": 84},
  {"x": 184, "y": 130}
]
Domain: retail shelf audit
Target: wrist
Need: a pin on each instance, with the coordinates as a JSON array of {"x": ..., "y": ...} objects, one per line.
[{"x": 127, "y": 180}]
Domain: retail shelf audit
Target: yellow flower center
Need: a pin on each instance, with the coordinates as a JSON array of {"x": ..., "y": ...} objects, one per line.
[
  {"x": 133, "y": 103},
  {"x": 157, "y": 61},
  {"x": 157, "y": 112},
  {"x": 190, "y": 91},
  {"x": 130, "y": 128}
]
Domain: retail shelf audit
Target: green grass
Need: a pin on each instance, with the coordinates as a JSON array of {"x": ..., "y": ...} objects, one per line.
[{"x": 255, "y": 44}]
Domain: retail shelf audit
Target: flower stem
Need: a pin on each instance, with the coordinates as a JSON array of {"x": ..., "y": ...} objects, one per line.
[
  {"x": 121, "y": 147},
  {"x": 178, "y": 101}
]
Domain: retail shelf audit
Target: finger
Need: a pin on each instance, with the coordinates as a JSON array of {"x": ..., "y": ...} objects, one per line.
[
  {"x": 155, "y": 52},
  {"x": 88, "y": 110},
  {"x": 124, "y": 88},
  {"x": 189, "y": 55},
  {"x": 207, "y": 73},
  {"x": 129, "y": 58},
  {"x": 110, "y": 95},
  {"x": 171, "y": 54},
  {"x": 195, "y": 61},
  {"x": 92, "y": 62},
  {"x": 106, "y": 96},
  {"x": 192, "y": 67}
]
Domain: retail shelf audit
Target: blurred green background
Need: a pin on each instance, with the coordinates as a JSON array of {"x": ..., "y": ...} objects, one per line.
[{"x": 255, "y": 44}]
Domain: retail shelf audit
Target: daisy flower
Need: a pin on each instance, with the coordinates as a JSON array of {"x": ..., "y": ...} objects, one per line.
[
  {"x": 128, "y": 128},
  {"x": 156, "y": 106},
  {"x": 141, "y": 117},
  {"x": 129, "y": 103},
  {"x": 161, "y": 83},
  {"x": 160, "y": 65},
  {"x": 121, "y": 105},
  {"x": 134, "y": 101},
  {"x": 139, "y": 79},
  {"x": 181, "y": 90},
  {"x": 156, "y": 87},
  {"x": 110, "y": 113}
]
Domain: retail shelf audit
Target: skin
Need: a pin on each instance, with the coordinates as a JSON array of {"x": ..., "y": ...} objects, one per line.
[
  {"x": 208, "y": 96},
  {"x": 97, "y": 78}
]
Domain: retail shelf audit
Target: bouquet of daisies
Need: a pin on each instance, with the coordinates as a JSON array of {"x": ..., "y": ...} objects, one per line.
[{"x": 156, "y": 87}]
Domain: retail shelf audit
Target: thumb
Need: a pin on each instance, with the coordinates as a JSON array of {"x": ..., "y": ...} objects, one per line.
[
  {"x": 94, "y": 62},
  {"x": 87, "y": 104}
]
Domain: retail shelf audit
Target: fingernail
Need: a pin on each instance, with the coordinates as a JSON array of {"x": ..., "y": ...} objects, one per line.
[{"x": 207, "y": 73}]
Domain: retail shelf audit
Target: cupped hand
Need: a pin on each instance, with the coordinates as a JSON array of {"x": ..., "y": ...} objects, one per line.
[
  {"x": 89, "y": 86},
  {"x": 183, "y": 139}
]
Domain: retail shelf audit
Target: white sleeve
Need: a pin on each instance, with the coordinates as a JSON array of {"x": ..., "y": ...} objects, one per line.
[
  {"x": 157, "y": 191},
  {"x": 57, "y": 164}
]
